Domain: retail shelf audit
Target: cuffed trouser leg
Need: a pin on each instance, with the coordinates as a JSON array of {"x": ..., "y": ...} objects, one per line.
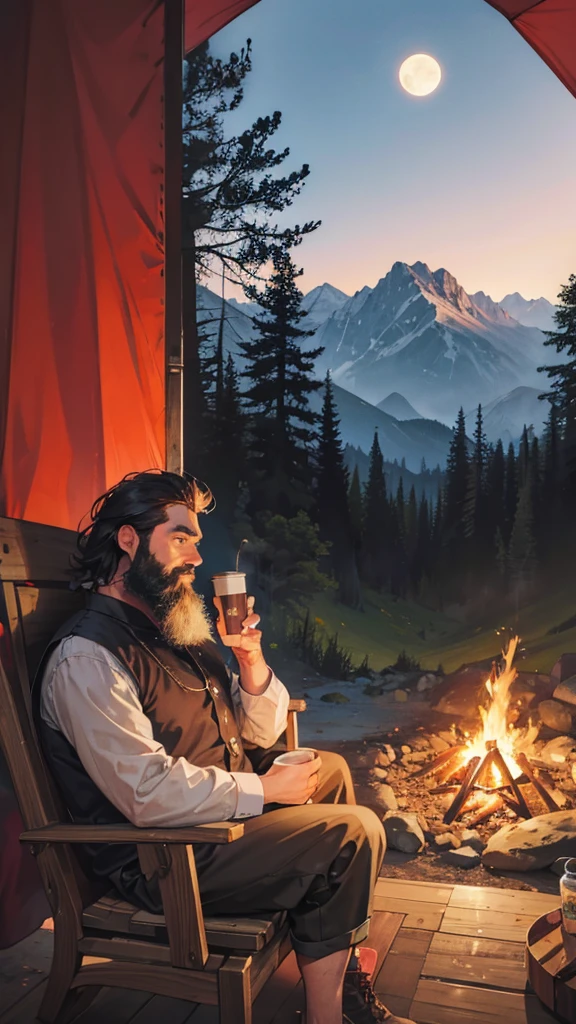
[{"x": 318, "y": 862}]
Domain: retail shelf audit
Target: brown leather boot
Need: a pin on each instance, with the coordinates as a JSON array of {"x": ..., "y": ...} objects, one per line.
[{"x": 361, "y": 1005}]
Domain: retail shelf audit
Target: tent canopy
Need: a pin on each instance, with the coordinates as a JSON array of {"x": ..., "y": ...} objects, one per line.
[{"x": 84, "y": 197}]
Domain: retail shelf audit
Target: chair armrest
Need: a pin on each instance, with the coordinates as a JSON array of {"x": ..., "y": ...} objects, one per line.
[
  {"x": 58, "y": 832},
  {"x": 297, "y": 705}
]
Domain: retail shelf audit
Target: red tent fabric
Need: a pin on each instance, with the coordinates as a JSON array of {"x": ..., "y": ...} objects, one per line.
[{"x": 550, "y": 28}]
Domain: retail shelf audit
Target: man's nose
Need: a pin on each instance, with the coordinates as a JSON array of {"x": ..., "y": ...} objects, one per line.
[{"x": 194, "y": 558}]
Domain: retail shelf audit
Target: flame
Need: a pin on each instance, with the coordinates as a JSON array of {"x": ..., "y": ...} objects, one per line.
[{"x": 495, "y": 727}]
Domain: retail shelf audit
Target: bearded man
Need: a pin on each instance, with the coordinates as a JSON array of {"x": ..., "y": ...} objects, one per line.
[{"x": 141, "y": 721}]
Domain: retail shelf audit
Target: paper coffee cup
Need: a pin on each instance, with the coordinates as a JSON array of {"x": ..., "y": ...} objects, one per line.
[
  {"x": 230, "y": 587},
  {"x": 299, "y": 756}
]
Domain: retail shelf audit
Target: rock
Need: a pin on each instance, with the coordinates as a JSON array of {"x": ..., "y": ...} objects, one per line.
[
  {"x": 382, "y": 759},
  {"x": 406, "y": 749},
  {"x": 421, "y": 743},
  {"x": 402, "y": 802},
  {"x": 387, "y": 798},
  {"x": 555, "y": 715},
  {"x": 400, "y": 696},
  {"x": 558, "y": 750},
  {"x": 566, "y": 690},
  {"x": 417, "y": 757},
  {"x": 422, "y": 685},
  {"x": 335, "y": 698},
  {"x": 465, "y": 857},
  {"x": 448, "y": 841},
  {"x": 380, "y": 773},
  {"x": 536, "y": 843},
  {"x": 390, "y": 752},
  {"x": 470, "y": 837},
  {"x": 564, "y": 668},
  {"x": 448, "y": 737},
  {"x": 403, "y": 831},
  {"x": 362, "y": 680},
  {"x": 438, "y": 744}
]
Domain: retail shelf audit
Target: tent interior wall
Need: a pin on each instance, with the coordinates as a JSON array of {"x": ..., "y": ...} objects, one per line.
[{"x": 90, "y": 281}]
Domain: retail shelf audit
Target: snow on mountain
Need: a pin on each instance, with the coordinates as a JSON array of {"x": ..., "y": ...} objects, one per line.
[
  {"x": 531, "y": 312},
  {"x": 321, "y": 302},
  {"x": 419, "y": 333},
  {"x": 397, "y": 406},
  {"x": 507, "y": 415}
]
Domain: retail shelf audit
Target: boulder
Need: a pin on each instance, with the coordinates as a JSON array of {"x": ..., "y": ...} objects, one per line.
[
  {"x": 380, "y": 773},
  {"x": 335, "y": 698},
  {"x": 558, "y": 751},
  {"x": 465, "y": 857},
  {"x": 386, "y": 798},
  {"x": 470, "y": 837},
  {"x": 566, "y": 690},
  {"x": 403, "y": 831},
  {"x": 555, "y": 715},
  {"x": 564, "y": 668},
  {"x": 362, "y": 680},
  {"x": 533, "y": 844},
  {"x": 400, "y": 696},
  {"x": 382, "y": 759}
]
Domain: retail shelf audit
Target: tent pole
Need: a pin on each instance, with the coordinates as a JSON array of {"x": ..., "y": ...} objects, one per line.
[{"x": 173, "y": 56}]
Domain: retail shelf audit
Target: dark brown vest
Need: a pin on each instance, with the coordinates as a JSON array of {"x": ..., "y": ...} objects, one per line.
[{"x": 191, "y": 722}]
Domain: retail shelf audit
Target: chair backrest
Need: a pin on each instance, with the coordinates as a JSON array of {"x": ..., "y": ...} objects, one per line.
[{"x": 35, "y": 599}]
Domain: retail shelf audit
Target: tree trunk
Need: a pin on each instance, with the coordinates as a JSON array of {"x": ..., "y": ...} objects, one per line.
[{"x": 194, "y": 402}]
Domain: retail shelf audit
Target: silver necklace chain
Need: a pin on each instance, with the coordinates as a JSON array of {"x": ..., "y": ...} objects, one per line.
[{"x": 189, "y": 689}]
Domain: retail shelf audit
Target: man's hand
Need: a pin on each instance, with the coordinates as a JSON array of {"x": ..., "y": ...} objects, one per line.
[
  {"x": 247, "y": 646},
  {"x": 291, "y": 784}
]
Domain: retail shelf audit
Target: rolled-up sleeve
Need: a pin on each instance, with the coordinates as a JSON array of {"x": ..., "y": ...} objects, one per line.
[
  {"x": 94, "y": 702},
  {"x": 262, "y": 718}
]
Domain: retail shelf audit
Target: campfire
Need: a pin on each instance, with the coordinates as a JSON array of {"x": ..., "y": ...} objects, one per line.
[{"x": 490, "y": 770}]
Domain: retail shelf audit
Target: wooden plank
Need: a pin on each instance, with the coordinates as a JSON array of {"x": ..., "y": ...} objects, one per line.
[
  {"x": 277, "y": 991},
  {"x": 486, "y": 924},
  {"x": 384, "y": 928},
  {"x": 25, "y": 1010},
  {"x": 486, "y": 962},
  {"x": 24, "y": 965},
  {"x": 163, "y": 1008},
  {"x": 417, "y": 915},
  {"x": 401, "y": 890},
  {"x": 62, "y": 832},
  {"x": 413, "y": 942},
  {"x": 437, "y": 1002},
  {"x": 114, "y": 1006},
  {"x": 505, "y": 900},
  {"x": 418, "y": 886},
  {"x": 401, "y": 970}
]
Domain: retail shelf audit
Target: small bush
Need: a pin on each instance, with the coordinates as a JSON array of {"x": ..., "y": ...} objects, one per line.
[
  {"x": 406, "y": 663},
  {"x": 326, "y": 656}
]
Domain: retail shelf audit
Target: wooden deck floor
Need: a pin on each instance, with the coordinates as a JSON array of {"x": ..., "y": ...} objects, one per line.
[{"x": 447, "y": 955}]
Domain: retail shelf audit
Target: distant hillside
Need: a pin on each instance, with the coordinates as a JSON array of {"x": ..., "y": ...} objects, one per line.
[
  {"x": 507, "y": 416},
  {"x": 398, "y": 407},
  {"x": 531, "y": 312},
  {"x": 411, "y": 440}
]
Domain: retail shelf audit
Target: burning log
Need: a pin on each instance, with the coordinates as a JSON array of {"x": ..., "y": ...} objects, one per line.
[
  {"x": 460, "y": 799},
  {"x": 539, "y": 786},
  {"x": 442, "y": 761},
  {"x": 492, "y": 803}
]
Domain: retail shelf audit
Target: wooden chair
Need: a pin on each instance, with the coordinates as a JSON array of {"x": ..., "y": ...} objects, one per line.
[{"x": 100, "y": 940}]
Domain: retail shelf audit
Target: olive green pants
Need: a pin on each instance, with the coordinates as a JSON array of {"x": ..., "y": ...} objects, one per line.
[{"x": 318, "y": 862}]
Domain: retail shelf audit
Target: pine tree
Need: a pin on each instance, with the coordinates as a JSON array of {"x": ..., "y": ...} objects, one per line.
[
  {"x": 522, "y": 558},
  {"x": 333, "y": 513},
  {"x": 280, "y": 376},
  {"x": 563, "y": 381},
  {"x": 230, "y": 196},
  {"x": 495, "y": 492},
  {"x": 456, "y": 483},
  {"x": 376, "y": 521},
  {"x": 510, "y": 493},
  {"x": 356, "y": 508}
]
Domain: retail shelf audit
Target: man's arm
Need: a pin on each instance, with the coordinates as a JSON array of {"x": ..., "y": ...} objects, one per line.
[{"x": 94, "y": 702}]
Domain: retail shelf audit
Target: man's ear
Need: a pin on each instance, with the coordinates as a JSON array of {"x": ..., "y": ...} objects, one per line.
[{"x": 128, "y": 540}]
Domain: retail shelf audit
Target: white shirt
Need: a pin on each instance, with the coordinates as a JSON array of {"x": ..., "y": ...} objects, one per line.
[{"x": 90, "y": 697}]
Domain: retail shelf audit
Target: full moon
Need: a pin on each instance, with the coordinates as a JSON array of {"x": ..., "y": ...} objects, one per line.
[{"x": 420, "y": 74}]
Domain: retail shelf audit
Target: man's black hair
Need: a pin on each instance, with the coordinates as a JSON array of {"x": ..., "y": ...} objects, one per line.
[{"x": 139, "y": 500}]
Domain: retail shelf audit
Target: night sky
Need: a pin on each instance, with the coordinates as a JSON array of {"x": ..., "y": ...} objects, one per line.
[{"x": 479, "y": 177}]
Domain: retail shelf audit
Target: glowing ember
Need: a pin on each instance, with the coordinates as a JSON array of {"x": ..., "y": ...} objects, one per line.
[{"x": 496, "y": 730}]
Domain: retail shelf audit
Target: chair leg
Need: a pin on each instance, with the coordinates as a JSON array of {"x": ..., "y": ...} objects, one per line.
[
  {"x": 60, "y": 1002},
  {"x": 235, "y": 991}
]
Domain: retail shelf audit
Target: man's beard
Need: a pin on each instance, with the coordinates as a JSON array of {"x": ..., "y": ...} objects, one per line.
[{"x": 178, "y": 609}]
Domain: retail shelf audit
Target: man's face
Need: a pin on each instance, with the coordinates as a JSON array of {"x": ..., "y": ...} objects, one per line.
[{"x": 162, "y": 574}]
